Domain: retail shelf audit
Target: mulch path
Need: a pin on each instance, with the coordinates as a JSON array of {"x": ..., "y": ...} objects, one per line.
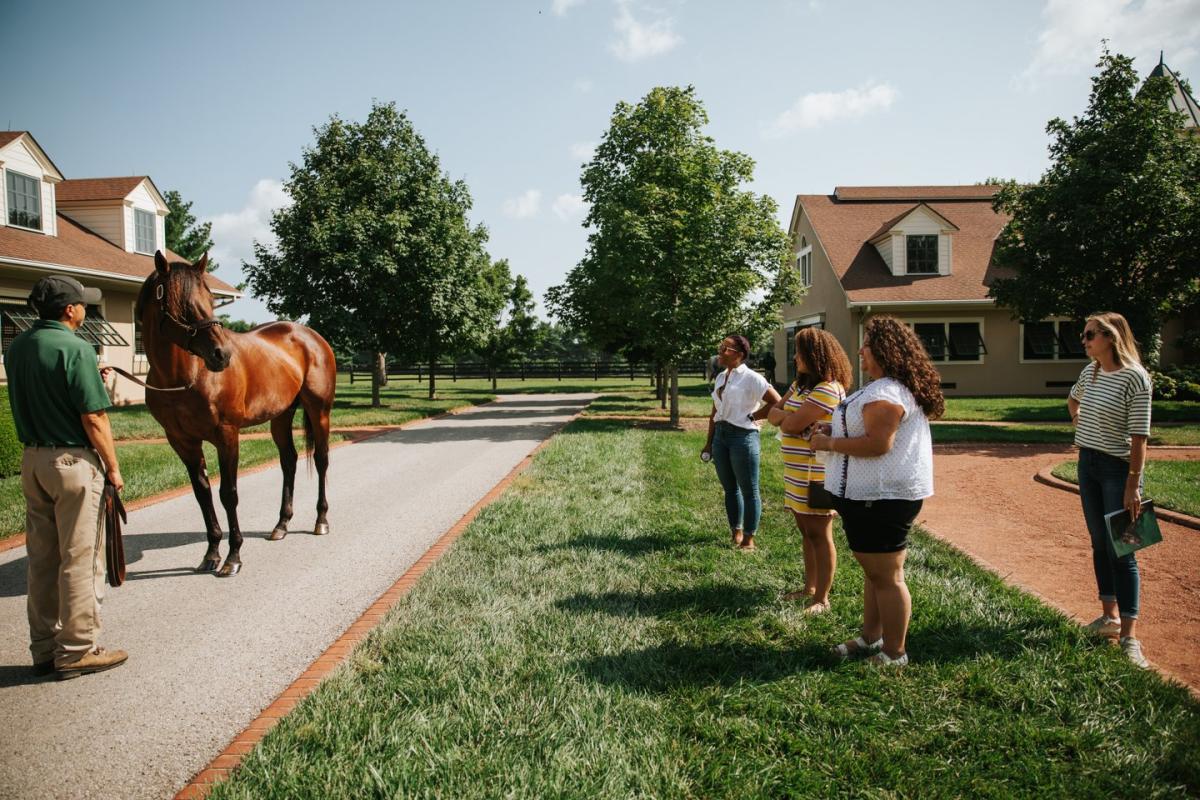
[{"x": 989, "y": 506}]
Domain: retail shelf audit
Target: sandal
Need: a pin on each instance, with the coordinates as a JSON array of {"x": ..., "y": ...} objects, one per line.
[
  {"x": 737, "y": 538},
  {"x": 812, "y": 609},
  {"x": 882, "y": 659},
  {"x": 861, "y": 645},
  {"x": 747, "y": 544}
]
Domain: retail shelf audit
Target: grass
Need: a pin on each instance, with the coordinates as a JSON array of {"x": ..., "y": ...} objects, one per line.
[
  {"x": 592, "y": 635},
  {"x": 1171, "y": 484},
  {"x": 148, "y": 469},
  {"x": 951, "y": 433},
  {"x": 1049, "y": 409}
]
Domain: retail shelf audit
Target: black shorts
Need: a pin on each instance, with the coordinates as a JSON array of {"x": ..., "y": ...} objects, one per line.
[{"x": 877, "y": 526}]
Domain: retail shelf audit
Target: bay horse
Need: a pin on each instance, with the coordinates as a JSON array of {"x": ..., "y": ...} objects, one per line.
[{"x": 231, "y": 381}]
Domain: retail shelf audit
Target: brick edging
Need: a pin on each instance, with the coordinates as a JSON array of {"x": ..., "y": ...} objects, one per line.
[
  {"x": 333, "y": 656},
  {"x": 1046, "y": 476}
]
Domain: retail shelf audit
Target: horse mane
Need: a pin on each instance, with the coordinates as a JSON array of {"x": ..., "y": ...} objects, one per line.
[{"x": 188, "y": 280}]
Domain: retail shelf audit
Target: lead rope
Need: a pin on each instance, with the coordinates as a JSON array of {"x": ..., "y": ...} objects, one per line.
[{"x": 140, "y": 382}]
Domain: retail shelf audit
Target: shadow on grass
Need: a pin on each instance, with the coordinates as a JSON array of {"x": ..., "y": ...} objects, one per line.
[
  {"x": 727, "y": 600},
  {"x": 628, "y": 545}
]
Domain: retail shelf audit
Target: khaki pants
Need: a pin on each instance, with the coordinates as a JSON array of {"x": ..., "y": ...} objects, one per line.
[{"x": 64, "y": 538}]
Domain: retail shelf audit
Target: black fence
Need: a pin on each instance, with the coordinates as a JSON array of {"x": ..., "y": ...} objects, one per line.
[{"x": 543, "y": 370}]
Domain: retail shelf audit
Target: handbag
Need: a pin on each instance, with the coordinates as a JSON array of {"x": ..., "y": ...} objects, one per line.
[
  {"x": 114, "y": 547},
  {"x": 819, "y": 497}
]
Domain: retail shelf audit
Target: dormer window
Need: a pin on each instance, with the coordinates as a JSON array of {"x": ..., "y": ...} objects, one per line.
[
  {"x": 143, "y": 222},
  {"x": 24, "y": 200},
  {"x": 922, "y": 255}
]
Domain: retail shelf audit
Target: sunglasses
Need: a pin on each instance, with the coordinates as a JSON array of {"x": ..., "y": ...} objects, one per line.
[{"x": 1087, "y": 336}]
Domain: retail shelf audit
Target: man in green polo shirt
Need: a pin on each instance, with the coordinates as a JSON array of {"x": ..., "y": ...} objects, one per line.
[{"x": 58, "y": 403}]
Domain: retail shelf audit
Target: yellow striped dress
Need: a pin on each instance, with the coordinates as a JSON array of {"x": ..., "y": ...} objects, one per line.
[{"x": 799, "y": 464}]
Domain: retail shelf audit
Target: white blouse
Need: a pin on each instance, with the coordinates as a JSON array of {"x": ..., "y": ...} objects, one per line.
[
  {"x": 741, "y": 397},
  {"x": 903, "y": 473}
]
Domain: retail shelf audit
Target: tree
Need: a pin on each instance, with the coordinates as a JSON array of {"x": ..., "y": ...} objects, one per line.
[
  {"x": 678, "y": 254},
  {"x": 1114, "y": 223},
  {"x": 184, "y": 236},
  {"x": 376, "y": 249},
  {"x": 235, "y": 325},
  {"x": 512, "y": 327}
]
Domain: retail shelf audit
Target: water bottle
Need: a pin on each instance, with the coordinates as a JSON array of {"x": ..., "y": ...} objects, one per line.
[{"x": 705, "y": 456}]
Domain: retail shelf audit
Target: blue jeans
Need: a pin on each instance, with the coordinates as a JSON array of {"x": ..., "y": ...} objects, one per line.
[
  {"x": 1102, "y": 490},
  {"x": 735, "y": 453}
]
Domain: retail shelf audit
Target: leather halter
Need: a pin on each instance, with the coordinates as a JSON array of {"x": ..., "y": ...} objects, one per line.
[{"x": 177, "y": 331}]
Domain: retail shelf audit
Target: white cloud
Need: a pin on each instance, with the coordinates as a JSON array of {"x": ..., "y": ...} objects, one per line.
[
  {"x": 583, "y": 151},
  {"x": 817, "y": 108},
  {"x": 561, "y": 7},
  {"x": 567, "y": 206},
  {"x": 234, "y": 232},
  {"x": 1070, "y": 41},
  {"x": 640, "y": 40},
  {"x": 524, "y": 206}
]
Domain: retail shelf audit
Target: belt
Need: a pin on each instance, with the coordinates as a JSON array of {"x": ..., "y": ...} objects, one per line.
[{"x": 47, "y": 446}]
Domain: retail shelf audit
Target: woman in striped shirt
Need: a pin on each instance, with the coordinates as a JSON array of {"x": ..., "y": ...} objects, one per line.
[
  {"x": 1110, "y": 405},
  {"x": 822, "y": 377}
]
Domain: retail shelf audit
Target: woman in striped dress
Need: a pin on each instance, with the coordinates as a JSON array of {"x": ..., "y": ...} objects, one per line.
[
  {"x": 1110, "y": 406},
  {"x": 822, "y": 377}
]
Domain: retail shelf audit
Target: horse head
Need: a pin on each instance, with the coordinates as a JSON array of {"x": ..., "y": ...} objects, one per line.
[{"x": 180, "y": 308}]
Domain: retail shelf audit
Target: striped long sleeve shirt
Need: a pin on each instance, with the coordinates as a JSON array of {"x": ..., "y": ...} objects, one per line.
[{"x": 1113, "y": 406}]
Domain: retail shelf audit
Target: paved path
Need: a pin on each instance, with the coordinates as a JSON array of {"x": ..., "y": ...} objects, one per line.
[
  {"x": 1033, "y": 535},
  {"x": 207, "y": 655}
]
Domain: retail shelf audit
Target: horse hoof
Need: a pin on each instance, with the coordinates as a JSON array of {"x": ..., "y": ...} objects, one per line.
[
  {"x": 229, "y": 569},
  {"x": 209, "y": 565},
  {"x": 321, "y": 529},
  {"x": 278, "y": 534}
]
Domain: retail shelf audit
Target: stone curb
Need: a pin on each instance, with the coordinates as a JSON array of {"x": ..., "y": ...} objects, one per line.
[
  {"x": 1186, "y": 520},
  {"x": 337, "y": 653}
]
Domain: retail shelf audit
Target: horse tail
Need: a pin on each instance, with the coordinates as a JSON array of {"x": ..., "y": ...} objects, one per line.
[{"x": 309, "y": 438}]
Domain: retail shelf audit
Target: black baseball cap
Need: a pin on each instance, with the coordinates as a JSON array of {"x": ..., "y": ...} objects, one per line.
[{"x": 53, "y": 293}]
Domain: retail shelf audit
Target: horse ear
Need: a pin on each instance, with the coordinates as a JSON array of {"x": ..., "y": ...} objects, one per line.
[
  {"x": 202, "y": 264},
  {"x": 160, "y": 262}
]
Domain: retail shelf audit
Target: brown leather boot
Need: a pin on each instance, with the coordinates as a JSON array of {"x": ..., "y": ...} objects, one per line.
[{"x": 97, "y": 660}]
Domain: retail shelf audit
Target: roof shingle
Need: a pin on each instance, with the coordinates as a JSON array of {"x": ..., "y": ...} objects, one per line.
[
  {"x": 97, "y": 188},
  {"x": 915, "y": 193},
  {"x": 76, "y": 246}
]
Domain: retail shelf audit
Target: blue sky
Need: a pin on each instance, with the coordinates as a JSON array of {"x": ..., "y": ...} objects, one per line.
[{"x": 214, "y": 99}]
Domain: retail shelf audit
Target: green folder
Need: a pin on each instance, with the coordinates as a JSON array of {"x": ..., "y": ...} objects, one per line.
[{"x": 1125, "y": 537}]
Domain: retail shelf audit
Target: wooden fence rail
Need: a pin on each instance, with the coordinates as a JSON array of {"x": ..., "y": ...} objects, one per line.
[{"x": 594, "y": 370}]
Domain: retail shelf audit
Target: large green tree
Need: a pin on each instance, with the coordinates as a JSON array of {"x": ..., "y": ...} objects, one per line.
[
  {"x": 184, "y": 235},
  {"x": 512, "y": 328},
  {"x": 376, "y": 249},
  {"x": 679, "y": 253},
  {"x": 1114, "y": 223}
]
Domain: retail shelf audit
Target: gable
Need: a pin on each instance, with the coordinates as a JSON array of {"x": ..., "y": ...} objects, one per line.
[{"x": 19, "y": 151}]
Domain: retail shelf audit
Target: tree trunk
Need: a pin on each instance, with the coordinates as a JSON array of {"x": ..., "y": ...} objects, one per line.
[
  {"x": 433, "y": 378},
  {"x": 662, "y": 386},
  {"x": 378, "y": 376},
  {"x": 494, "y": 371},
  {"x": 675, "y": 395}
]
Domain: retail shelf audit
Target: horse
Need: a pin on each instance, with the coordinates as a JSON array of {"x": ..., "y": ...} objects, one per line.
[{"x": 212, "y": 382}]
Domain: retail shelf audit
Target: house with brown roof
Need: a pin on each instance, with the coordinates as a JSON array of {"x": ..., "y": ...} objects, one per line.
[
  {"x": 102, "y": 231},
  {"x": 924, "y": 254}
]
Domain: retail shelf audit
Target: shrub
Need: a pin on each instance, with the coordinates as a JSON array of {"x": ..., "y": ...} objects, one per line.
[
  {"x": 10, "y": 445},
  {"x": 1176, "y": 383}
]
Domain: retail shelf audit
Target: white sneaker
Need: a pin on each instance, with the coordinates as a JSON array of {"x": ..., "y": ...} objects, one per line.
[
  {"x": 1104, "y": 626},
  {"x": 1133, "y": 651}
]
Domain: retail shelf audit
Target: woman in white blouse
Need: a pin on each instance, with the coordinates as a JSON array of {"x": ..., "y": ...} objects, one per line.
[
  {"x": 880, "y": 471},
  {"x": 741, "y": 397}
]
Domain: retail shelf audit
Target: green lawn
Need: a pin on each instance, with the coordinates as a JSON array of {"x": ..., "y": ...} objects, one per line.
[
  {"x": 593, "y": 635},
  {"x": 1170, "y": 484},
  {"x": 1049, "y": 409},
  {"x": 148, "y": 469},
  {"x": 638, "y": 400},
  {"x": 951, "y": 433}
]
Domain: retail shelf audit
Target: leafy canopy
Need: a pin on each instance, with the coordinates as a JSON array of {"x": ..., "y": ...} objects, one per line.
[
  {"x": 1114, "y": 223},
  {"x": 376, "y": 248},
  {"x": 184, "y": 236},
  {"x": 679, "y": 254}
]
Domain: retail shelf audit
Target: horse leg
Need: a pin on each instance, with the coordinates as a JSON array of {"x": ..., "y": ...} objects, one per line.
[
  {"x": 317, "y": 428},
  {"x": 281, "y": 432},
  {"x": 192, "y": 456},
  {"x": 227, "y": 455}
]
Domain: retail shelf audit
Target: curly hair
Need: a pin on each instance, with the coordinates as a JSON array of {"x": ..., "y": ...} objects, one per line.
[
  {"x": 901, "y": 356},
  {"x": 824, "y": 359}
]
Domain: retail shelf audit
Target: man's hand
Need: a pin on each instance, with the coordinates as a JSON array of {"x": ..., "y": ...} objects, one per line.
[
  {"x": 105, "y": 371},
  {"x": 114, "y": 477}
]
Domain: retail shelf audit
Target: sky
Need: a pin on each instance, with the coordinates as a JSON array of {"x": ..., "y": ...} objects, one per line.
[{"x": 217, "y": 99}]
